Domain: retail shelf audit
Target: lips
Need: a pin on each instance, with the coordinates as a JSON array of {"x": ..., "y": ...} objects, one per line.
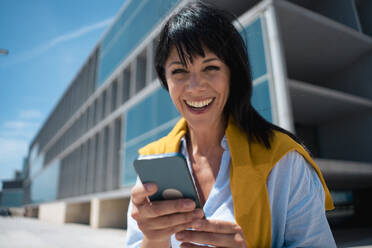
[{"x": 199, "y": 104}]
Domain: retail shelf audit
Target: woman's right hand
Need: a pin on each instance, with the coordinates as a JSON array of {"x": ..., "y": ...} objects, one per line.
[{"x": 158, "y": 220}]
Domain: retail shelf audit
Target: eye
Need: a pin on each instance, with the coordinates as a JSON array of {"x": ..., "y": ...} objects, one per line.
[
  {"x": 212, "y": 68},
  {"x": 178, "y": 71}
]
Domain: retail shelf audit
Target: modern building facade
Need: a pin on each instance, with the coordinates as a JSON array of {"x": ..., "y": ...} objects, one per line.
[{"x": 310, "y": 63}]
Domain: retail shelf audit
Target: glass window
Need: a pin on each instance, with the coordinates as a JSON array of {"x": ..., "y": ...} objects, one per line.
[
  {"x": 136, "y": 21},
  {"x": 96, "y": 162},
  {"x": 45, "y": 185},
  {"x": 103, "y": 104},
  {"x": 150, "y": 113},
  {"x": 155, "y": 43},
  {"x": 141, "y": 71},
  {"x": 117, "y": 147},
  {"x": 114, "y": 93},
  {"x": 95, "y": 111},
  {"x": 126, "y": 84},
  {"x": 87, "y": 112},
  {"x": 261, "y": 100},
  {"x": 12, "y": 198},
  {"x": 252, "y": 34}
]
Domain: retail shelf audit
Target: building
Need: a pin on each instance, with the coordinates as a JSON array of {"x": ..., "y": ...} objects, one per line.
[
  {"x": 12, "y": 195},
  {"x": 311, "y": 73}
]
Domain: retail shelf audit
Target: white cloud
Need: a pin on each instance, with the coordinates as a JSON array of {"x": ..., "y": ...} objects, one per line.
[
  {"x": 21, "y": 57},
  {"x": 17, "y": 125},
  {"x": 19, "y": 129},
  {"x": 30, "y": 114}
]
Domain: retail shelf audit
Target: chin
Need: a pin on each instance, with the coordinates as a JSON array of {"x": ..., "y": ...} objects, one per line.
[{"x": 204, "y": 122}]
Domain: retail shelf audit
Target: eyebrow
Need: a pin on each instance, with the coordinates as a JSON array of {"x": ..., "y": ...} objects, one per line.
[{"x": 177, "y": 62}]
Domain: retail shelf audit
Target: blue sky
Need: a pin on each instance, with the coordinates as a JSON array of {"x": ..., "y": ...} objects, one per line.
[{"x": 48, "y": 42}]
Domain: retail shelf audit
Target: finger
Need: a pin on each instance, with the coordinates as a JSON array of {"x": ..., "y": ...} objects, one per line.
[
  {"x": 155, "y": 234},
  {"x": 216, "y": 226},
  {"x": 167, "y": 207},
  {"x": 140, "y": 192},
  {"x": 216, "y": 239},
  {"x": 174, "y": 219}
]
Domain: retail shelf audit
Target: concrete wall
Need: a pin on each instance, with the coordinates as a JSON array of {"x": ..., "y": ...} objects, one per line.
[
  {"x": 78, "y": 213},
  {"x": 53, "y": 212},
  {"x": 32, "y": 212},
  {"x": 356, "y": 79},
  {"x": 109, "y": 213},
  {"x": 347, "y": 139}
]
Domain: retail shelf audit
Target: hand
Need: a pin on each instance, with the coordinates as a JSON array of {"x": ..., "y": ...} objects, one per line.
[
  {"x": 213, "y": 232},
  {"x": 158, "y": 220}
]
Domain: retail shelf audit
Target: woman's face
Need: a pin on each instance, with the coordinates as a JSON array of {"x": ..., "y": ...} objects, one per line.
[{"x": 200, "y": 89}]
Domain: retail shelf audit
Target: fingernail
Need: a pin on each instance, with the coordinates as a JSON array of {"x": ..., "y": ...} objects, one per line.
[{"x": 150, "y": 187}]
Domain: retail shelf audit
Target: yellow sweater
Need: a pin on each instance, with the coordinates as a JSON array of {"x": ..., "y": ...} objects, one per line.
[{"x": 251, "y": 164}]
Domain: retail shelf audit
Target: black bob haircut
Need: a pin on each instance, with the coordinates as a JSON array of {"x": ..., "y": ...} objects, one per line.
[{"x": 198, "y": 24}]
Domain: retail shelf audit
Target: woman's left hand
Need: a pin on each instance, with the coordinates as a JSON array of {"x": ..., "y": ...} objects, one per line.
[{"x": 213, "y": 232}]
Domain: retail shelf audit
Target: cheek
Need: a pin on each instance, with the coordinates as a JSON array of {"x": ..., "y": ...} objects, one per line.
[{"x": 174, "y": 94}]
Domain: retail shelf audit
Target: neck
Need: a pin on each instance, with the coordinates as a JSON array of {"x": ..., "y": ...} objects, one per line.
[{"x": 205, "y": 141}]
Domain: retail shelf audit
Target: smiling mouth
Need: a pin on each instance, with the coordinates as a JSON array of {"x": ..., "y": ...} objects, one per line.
[{"x": 199, "y": 104}]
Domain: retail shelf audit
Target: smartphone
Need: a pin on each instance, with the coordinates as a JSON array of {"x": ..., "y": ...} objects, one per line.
[{"x": 170, "y": 173}]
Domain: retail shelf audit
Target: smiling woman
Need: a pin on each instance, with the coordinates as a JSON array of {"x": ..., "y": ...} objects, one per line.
[
  {"x": 199, "y": 90},
  {"x": 257, "y": 184}
]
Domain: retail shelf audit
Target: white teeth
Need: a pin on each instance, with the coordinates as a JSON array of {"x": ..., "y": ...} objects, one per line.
[{"x": 199, "y": 104}]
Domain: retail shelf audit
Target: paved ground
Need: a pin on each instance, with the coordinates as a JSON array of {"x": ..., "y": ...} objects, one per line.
[{"x": 17, "y": 232}]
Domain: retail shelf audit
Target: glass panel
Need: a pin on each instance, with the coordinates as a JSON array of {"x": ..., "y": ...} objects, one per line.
[
  {"x": 255, "y": 46},
  {"x": 154, "y": 46},
  {"x": 141, "y": 72},
  {"x": 342, "y": 197},
  {"x": 36, "y": 164},
  {"x": 150, "y": 113},
  {"x": 44, "y": 187},
  {"x": 126, "y": 85},
  {"x": 13, "y": 198},
  {"x": 114, "y": 95},
  {"x": 104, "y": 96},
  {"x": 261, "y": 100},
  {"x": 95, "y": 112},
  {"x": 139, "y": 18}
]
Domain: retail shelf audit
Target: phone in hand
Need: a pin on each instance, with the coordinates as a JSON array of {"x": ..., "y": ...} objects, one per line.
[{"x": 170, "y": 173}]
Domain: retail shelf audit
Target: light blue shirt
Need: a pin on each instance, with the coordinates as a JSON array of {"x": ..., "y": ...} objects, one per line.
[{"x": 296, "y": 201}]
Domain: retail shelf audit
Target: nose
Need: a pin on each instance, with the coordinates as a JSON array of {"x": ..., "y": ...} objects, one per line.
[{"x": 195, "y": 82}]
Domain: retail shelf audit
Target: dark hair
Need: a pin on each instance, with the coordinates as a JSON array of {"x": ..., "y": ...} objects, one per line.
[{"x": 198, "y": 24}]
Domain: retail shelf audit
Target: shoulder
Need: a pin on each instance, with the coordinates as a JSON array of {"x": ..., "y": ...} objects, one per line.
[
  {"x": 280, "y": 145},
  {"x": 294, "y": 163},
  {"x": 155, "y": 147},
  {"x": 296, "y": 174},
  {"x": 282, "y": 142}
]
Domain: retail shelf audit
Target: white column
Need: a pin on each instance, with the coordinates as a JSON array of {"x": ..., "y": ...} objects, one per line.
[{"x": 283, "y": 108}]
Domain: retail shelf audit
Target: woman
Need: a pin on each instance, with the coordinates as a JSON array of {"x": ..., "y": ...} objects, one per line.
[{"x": 258, "y": 186}]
